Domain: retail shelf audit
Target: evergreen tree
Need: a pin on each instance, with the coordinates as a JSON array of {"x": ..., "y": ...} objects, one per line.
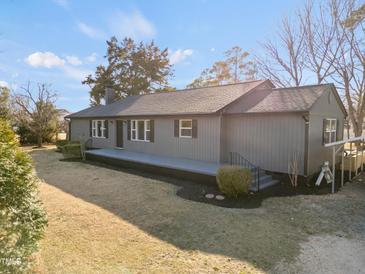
[{"x": 132, "y": 69}]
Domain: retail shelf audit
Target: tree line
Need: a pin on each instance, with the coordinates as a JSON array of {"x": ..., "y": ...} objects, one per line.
[{"x": 31, "y": 112}]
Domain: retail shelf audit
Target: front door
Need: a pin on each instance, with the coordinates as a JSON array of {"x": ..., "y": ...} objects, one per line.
[{"x": 119, "y": 126}]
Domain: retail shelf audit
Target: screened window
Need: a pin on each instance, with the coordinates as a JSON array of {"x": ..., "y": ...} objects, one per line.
[
  {"x": 186, "y": 128},
  {"x": 329, "y": 130},
  {"x": 98, "y": 128},
  {"x": 141, "y": 130}
]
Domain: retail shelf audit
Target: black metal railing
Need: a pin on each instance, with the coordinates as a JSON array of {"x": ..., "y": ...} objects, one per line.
[
  {"x": 236, "y": 159},
  {"x": 88, "y": 143}
]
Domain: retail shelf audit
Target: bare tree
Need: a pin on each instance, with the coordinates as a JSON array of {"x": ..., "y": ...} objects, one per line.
[
  {"x": 284, "y": 62},
  {"x": 38, "y": 111},
  {"x": 320, "y": 45},
  {"x": 349, "y": 64},
  {"x": 324, "y": 47},
  {"x": 356, "y": 16}
]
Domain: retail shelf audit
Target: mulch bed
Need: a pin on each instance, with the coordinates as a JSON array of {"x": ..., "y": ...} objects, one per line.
[{"x": 196, "y": 192}]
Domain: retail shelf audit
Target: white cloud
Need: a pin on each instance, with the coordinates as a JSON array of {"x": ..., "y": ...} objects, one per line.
[
  {"x": 49, "y": 60},
  {"x": 62, "y": 3},
  {"x": 91, "y": 58},
  {"x": 212, "y": 49},
  {"x": 44, "y": 59},
  {"x": 76, "y": 73},
  {"x": 133, "y": 25},
  {"x": 73, "y": 60},
  {"x": 90, "y": 31},
  {"x": 180, "y": 55},
  {"x": 4, "y": 84}
]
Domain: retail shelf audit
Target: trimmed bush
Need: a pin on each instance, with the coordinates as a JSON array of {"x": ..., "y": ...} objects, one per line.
[
  {"x": 22, "y": 219},
  {"x": 72, "y": 151},
  {"x": 234, "y": 180},
  {"x": 61, "y": 143}
]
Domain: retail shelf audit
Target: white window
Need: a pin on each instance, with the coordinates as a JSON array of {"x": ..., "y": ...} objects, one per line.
[
  {"x": 141, "y": 130},
  {"x": 185, "y": 128},
  {"x": 134, "y": 130},
  {"x": 98, "y": 128},
  {"x": 329, "y": 130}
]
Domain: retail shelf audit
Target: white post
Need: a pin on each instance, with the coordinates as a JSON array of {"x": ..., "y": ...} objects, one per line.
[
  {"x": 342, "y": 164},
  {"x": 350, "y": 161},
  {"x": 333, "y": 167}
]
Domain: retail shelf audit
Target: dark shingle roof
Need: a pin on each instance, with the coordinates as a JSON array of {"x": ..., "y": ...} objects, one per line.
[
  {"x": 289, "y": 99},
  {"x": 212, "y": 99},
  {"x": 190, "y": 101}
]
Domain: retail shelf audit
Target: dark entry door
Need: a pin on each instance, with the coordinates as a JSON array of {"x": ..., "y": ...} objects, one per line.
[{"x": 119, "y": 126}]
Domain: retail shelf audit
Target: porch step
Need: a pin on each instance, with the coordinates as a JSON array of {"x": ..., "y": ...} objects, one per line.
[{"x": 265, "y": 181}]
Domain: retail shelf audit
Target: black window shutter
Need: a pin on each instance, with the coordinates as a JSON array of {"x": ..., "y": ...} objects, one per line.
[
  {"x": 176, "y": 128},
  {"x": 195, "y": 129},
  {"x": 129, "y": 130},
  {"x": 106, "y": 129},
  {"x": 338, "y": 130},
  {"x": 323, "y": 132},
  {"x": 152, "y": 131},
  {"x": 91, "y": 128}
]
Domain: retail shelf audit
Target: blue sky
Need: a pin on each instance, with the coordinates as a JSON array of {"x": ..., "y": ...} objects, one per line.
[{"x": 61, "y": 41}]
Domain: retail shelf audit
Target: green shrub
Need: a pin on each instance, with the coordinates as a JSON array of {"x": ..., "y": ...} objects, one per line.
[
  {"x": 7, "y": 136},
  {"x": 22, "y": 219},
  {"x": 234, "y": 180},
  {"x": 61, "y": 143},
  {"x": 72, "y": 151}
]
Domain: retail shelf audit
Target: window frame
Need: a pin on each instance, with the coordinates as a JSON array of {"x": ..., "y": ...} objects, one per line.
[
  {"x": 182, "y": 128},
  {"x": 95, "y": 131},
  {"x": 135, "y": 129},
  {"x": 331, "y": 131}
]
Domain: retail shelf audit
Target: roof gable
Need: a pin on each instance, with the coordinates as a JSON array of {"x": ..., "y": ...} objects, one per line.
[{"x": 292, "y": 99}]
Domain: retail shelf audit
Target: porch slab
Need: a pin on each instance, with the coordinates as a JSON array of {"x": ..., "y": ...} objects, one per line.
[{"x": 185, "y": 165}]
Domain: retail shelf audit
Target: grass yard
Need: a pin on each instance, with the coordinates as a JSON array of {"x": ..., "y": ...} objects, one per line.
[{"x": 110, "y": 221}]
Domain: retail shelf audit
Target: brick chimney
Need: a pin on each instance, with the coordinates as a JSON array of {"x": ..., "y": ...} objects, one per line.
[{"x": 109, "y": 96}]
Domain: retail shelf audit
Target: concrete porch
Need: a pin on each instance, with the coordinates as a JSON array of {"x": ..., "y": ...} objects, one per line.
[
  {"x": 205, "y": 168},
  {"x": 177, "y": 167}
]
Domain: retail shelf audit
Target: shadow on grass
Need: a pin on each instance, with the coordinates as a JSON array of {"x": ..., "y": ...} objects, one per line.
[{"x": 261, "y": 235}]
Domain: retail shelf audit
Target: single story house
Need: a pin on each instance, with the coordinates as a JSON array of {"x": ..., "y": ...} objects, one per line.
[{"x": 264, "y": 125}]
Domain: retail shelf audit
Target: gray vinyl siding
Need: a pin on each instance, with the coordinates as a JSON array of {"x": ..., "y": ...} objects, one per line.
[
  {"x": 326, "y": 107},
  {"x": 80, "y": 130},
  {"x": 205, "y": 147},
  {"x": 266, "y": 140}
]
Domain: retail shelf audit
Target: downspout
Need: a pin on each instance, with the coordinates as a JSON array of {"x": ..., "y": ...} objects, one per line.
[
  {"x": 306, "y": 143},
  {"x": 221, "y": 137}
]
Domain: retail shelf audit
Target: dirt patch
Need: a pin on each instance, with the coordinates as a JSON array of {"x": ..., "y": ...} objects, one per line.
[
  {"x": 327, "y": 254},
  {"x": 121, "y": 221}
]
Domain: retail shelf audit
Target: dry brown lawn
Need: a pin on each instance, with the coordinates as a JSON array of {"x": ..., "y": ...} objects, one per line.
[{"x": 110, "y": 221}]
